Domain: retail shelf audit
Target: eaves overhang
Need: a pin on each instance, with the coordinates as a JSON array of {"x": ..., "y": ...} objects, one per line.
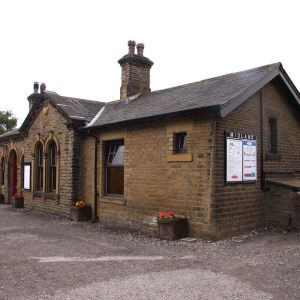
[
  {"x": 229, "y": 106},
  {"x": 213, "y": 111}
]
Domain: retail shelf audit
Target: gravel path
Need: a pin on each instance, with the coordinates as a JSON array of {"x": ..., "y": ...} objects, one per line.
[{"x": 47, "y": 257}]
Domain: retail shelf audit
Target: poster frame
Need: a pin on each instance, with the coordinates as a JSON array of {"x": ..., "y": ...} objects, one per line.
[
  {"x": 238, "y": 136},
  {"x": 27, "y": 164}
]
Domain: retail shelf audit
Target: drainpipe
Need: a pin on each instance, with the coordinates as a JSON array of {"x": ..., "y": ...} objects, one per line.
[
  {"x": 262, "y": 174},
  {"x": 96, "y": 194}
]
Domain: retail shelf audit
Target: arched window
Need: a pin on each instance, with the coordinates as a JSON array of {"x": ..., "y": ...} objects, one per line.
[
  {"x": 52, "y": 166},
  {"x": 2, "y": 171},
  {"x": 39, "y": 170}
]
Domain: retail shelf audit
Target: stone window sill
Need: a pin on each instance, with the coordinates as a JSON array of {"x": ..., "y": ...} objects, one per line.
[
  {"x": 113, "y": 200},
  {"x": 180, "y": 157},
  {"x": 272, "y": 156},
  {"x": 45, "y": 195}
]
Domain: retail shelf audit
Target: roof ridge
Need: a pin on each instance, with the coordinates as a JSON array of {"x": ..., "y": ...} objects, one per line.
[
  {"x": 80, "y": 99},
  {"x": 278, "y": 64}
]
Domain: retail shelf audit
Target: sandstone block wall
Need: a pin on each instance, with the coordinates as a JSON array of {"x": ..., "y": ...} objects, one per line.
[
  {"x": 155, "y": 178},
  {"x": 239, "y": 208},
  {"x": 44, "y": 128}
]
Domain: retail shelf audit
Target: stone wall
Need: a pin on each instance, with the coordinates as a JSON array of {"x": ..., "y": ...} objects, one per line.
[
  {"x": 283, "y": 208},
  {"x": 155, "y": 178},
  {"x": 47, "y": 126},
  {"x": 239, "y": 208}
]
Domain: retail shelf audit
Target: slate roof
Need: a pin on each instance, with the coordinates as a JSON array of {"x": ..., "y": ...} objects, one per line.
[
  {"x": 75, "y": 108},
  {"x": 221, "y": 94},
  {"x": 224, "y": 93},
  {"x": 10, "y": 134}
]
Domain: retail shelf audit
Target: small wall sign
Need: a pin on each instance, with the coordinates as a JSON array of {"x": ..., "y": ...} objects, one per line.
[
  {"x": 240, "y": 157},
  {"x": 27, "y": 176}
]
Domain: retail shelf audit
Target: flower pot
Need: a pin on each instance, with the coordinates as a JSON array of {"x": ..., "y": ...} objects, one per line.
[
  {"x": 2, "y": 198},
  {"x": 80, "y": 213},
  {"x": 18, "y": 202},
  {"x": 172, "y": 229}
]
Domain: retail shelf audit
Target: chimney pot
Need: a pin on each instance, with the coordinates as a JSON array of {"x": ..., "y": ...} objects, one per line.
[
  {"x": 131, "y": 47},
  {"x": 140, "y": 49},
  {"x": 43, "y": 87},
  {"x": 36, "y": 87}
]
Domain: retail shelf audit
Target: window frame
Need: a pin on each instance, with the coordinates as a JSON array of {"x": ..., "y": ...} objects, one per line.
[
  {"x": 52, "y": 167},
  {"x": 273, "y": 135},
  {"x": 39, "y": 167},
  {"x": 2, "y": 167},
  {"x": 109, "y": 155},
  {"x": 180, "y": 142}
]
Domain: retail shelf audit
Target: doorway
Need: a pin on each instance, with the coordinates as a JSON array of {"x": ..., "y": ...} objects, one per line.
[{"x": 12, "y": 175}]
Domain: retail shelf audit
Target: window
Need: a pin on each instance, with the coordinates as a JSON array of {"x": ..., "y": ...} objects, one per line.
[
  {"x": 39, "y": 166},
  {"x": 273, "y": 135},
  {"x": 2, "y": 171},
  {"x": 52, "y": 166},
  {"x": 114, "y": 167},
  {"x": 180, "y": 142}
]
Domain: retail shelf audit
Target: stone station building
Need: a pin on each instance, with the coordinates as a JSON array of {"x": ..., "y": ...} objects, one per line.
[{"x": 224, "y": 152}]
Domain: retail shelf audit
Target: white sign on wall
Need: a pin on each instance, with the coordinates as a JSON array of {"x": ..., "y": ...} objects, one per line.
[
  {"x": 27, "y": 176},
  {"x": 249, "y": 160},
  {"x": 241, "y": 158},
  {"x": 234, "y": 172}
]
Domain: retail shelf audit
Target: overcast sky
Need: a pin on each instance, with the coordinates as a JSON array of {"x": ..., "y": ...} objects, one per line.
[{"x": 73, "y": 46}]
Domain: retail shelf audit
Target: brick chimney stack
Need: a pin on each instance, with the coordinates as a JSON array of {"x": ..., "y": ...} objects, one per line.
[
  {"x": 43, "y": 87},
  {"x": 35, "y": 96},
  {"x": 135, "y": 71},
  {"x": 140, "y": 49},
  {"x": 35, "y": 87},
  {"x": 131, "y": 47}
]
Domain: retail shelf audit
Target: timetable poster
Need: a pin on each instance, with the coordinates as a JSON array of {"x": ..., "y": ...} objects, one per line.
[
  {"x": 234, "y": 160},
  {"x": 241, "y": 158},
  {"x": 249, "y": 160}
]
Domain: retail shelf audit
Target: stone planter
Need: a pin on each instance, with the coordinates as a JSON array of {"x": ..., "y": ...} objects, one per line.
[
  {"x": 17, "y": 202},
  {"x": 80, "y": 213},
  {"x": 2, "y": 198},
  {"x": 172, "y": 229}
]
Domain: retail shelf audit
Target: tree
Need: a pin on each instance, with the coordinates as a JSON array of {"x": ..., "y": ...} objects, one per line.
[{"x": 7, "y": 121}]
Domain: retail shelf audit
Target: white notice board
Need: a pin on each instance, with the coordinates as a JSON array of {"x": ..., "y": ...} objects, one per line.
[
  {"x": 240, "y": 157},
  {"x": 27, "y": 176},
  {"x": 234, "y": 170},
  {"x": 249, "y": 160}
]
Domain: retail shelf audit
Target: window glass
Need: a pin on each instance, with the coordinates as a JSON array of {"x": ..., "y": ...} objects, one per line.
[
  {"x": 273, "y": 135},
  {"x": 115, "y": 167},
  {"x": 180, "y": 140},
  {"x": 39, "y": 167},
  {"x": 52, "y": 167}
]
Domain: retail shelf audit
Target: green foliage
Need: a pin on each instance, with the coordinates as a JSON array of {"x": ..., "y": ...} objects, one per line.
[{"x": 7, "y": 121}]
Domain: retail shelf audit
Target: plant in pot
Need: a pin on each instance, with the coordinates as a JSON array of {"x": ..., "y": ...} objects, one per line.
[
  {"x": 18, "y": 201},
  {"x": 171, "y": 227},
  {"x": 80, "y": 211}
]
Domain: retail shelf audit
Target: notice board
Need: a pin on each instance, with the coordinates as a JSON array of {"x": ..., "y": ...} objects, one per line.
[
  {"x": 27, "y": 176},
  {"x": 240, "y": 157}
]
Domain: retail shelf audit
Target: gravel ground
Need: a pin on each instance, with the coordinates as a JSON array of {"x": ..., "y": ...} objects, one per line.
[{"x": 47, "y": 257}]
